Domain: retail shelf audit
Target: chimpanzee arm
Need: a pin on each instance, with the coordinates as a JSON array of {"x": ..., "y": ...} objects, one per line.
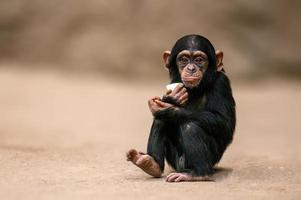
[
  {"x": 219, "y": 111},
  {"x": 174, "y": 114},
  {"x": 219, "y": 114}
]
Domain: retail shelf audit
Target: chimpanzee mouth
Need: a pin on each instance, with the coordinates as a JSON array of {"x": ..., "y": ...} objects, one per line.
[
  {"x": 191, "y": 81},
  {"x": 190, "y": 78}
]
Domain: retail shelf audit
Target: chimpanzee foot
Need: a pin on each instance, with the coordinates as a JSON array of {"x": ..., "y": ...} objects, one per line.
[
  {"x": 144, "y": 162},
  {"x": 178, "y": 177}
]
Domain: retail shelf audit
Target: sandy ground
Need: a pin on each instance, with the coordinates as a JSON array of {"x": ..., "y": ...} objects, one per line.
[{"x": 65, "y": 137}]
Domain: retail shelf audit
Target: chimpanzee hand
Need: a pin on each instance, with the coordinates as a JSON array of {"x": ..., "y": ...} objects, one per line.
[
  {"x": 155, "y": 104},
  {"x": 178, "y": 96}
]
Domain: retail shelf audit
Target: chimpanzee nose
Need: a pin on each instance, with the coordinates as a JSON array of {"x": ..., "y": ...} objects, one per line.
[{"x": 191, "y": 68}]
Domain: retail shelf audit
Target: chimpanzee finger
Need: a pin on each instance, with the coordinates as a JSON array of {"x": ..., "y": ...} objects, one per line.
[
  {"x": 181, "y": 92},
  {"x": 168, "y": 92},
  {"x": 169, "y": 175},
  {"x": 184, "y": 96},
  {"x": 152, "y": 105},
  {"x": 151, "y": 101},
  {"x": 162, "y": 104},
  {"x": 183, "y": 102},
  {"x": 172, "y": 177},
  {"x": 156, "y": 97},
  {"x": 180, "y": 178},
  {"x": 177, "y": 89}
]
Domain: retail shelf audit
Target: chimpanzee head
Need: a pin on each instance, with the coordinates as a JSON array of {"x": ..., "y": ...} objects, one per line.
[{"x": 191, "y": 60}]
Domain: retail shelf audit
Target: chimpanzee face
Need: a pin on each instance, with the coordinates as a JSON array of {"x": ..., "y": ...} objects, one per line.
[
  {"x": 192, "y": 66},
  {"x": 191, "y": 60}
]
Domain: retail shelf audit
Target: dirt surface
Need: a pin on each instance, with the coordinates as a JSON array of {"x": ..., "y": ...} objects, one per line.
[{"x": 65, "y": 137}]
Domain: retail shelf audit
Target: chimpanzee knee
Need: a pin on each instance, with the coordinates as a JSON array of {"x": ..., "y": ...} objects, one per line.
[{"x": 199, "y": 149}]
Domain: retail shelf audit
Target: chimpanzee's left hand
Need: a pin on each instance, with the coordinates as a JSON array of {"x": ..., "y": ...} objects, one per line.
[{"x": 155, "y": 104}]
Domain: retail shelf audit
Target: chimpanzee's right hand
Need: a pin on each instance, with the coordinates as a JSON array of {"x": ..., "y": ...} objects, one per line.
[{"x": 177, "y": 97}]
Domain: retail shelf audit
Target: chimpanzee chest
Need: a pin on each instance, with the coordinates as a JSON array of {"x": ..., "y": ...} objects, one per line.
[{"x": 197, "y": 104}]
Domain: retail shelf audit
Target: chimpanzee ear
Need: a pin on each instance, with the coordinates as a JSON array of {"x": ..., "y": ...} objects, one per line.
[
  {"x": 219, "y": 60},
  {"x": 166, "y": 55}
]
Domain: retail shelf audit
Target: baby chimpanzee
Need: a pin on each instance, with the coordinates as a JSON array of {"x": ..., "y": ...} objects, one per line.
[{"x": 194, "y": 123}]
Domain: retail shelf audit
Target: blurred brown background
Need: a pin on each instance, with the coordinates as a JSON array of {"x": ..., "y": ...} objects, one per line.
[
  {"x": 75, "y": 77},
  {"x": 128, "y": 37}
]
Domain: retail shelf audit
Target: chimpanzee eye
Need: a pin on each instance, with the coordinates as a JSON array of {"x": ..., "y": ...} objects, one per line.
[
  {"x": 198, "y": 60},
  {"x": 183, "y": 60}
]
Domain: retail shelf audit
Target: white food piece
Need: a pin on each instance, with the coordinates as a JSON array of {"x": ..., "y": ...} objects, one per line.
[{"x": 172, "y": 86}]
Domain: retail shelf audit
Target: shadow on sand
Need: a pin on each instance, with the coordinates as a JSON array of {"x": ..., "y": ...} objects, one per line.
[{"x": 221, "y": 173}]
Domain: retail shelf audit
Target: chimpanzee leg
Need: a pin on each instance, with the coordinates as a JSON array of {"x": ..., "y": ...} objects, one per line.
[
  {"x": 200, "y": 149},
  {"x": 156, "y": 142}
]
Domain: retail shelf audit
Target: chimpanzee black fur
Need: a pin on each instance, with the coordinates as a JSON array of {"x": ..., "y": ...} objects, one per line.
[{"x": 193, "y": 138}]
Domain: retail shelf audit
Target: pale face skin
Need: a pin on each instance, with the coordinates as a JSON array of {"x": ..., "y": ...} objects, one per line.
[{"x": 192, "y": 66}]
